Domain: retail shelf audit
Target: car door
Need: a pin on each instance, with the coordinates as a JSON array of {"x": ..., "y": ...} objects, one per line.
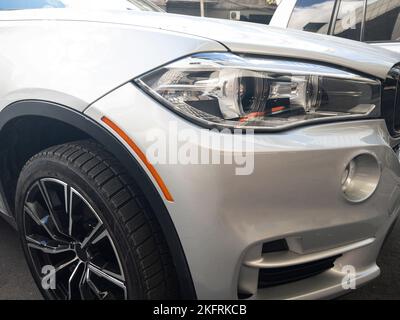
[
  {"x": 382, "y": 23},
  {"x": 374, "y": 21},
  {"x": 307, "y": 15}
]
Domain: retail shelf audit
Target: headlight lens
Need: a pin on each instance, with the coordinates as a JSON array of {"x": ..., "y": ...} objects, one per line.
[{"x": 227, "y": 90}]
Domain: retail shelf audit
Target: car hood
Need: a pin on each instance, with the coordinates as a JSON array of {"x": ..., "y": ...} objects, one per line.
[{"x": 240, "y": 37}]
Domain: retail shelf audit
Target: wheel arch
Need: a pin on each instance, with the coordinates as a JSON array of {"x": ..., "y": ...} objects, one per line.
[{"x": 86, "y": 127}]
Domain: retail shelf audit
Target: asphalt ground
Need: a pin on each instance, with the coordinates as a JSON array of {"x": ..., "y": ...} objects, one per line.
[{"x": 16, "y": 282}]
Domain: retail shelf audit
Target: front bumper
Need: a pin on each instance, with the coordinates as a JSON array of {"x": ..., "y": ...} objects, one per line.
[{"x": 294, "y": 195}]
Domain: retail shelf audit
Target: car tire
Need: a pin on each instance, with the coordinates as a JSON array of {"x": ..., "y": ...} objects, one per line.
[{"x": 87, "y": 230}]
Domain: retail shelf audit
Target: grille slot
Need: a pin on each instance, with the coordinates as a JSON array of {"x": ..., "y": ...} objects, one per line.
[
  {"x": 396, "y": 123},
  {"x": 391, "y": 101},
  {"x": 277, "y": 276}
]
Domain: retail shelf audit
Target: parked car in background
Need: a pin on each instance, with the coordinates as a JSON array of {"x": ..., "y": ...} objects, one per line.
[
  {"x": 84, "y": 95},
  {"x": 374, "y": 21}
]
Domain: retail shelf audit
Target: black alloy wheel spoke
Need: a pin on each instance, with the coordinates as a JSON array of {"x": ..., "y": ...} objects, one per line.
[{"x": 64, "y": 231}]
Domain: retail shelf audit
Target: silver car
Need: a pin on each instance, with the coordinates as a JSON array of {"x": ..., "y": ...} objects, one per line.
[{"x": 154, "y": 156}]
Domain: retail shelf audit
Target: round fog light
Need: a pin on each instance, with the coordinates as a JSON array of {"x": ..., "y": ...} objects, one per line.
[{"x": 360, "y": 178}]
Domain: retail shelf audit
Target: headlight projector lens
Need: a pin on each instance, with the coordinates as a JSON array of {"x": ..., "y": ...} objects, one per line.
[{"x": 360, "y": 178}]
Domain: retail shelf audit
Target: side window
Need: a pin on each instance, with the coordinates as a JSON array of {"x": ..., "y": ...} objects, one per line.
[
  {"x": 382, "y": 20},
  {"x": 349, "y": 19},
  {"x": 312, "y": 15}
]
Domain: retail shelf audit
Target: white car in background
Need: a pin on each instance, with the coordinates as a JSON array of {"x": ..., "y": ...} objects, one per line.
[{"x": 374, "y": 21}]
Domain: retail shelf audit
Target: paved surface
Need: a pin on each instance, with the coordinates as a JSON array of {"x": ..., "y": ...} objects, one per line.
[{"x": 16, "y": 281}]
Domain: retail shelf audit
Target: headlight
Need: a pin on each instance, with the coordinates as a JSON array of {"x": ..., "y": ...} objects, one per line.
[{"x": 227, "y": 90}]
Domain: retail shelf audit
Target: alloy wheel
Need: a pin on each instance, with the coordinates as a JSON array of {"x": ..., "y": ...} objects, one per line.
[{"x": 65, "y": 235}]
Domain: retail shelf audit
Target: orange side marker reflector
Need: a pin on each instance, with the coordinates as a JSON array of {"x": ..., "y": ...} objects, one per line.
[{"x": 141, "y": 156}]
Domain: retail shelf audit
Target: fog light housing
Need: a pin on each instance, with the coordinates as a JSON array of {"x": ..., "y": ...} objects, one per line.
[{"x": 360, "y": 178}]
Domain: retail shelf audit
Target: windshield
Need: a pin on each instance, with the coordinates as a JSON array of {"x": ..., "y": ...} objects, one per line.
[{"x": 138, "y": 5}]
